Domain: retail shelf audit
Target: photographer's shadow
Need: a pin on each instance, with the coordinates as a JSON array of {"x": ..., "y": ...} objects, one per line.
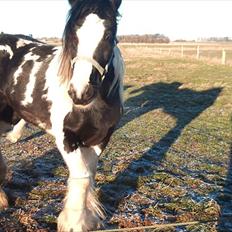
[{"x": 181, "y": 103}]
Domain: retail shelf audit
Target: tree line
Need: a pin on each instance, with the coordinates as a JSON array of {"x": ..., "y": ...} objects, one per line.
[
  {"x": 148, "y": 38},
  {"x": 216, "y": 39}
]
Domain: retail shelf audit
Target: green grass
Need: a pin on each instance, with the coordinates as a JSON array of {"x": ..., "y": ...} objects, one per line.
[{"x": 173, "y": 144}]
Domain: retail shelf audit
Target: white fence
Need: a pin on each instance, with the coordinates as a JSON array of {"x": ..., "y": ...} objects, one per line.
[{"x": 219, "y": 53}]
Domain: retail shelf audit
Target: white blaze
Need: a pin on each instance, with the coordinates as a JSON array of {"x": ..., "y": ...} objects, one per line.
[{"x": 89, "y": 36}]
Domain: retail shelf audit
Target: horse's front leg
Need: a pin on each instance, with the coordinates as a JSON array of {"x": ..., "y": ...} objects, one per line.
[{"x": 82, "y": 211}]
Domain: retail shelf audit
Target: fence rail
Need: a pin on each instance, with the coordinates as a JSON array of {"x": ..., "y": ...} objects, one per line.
[{"x": 220, "y": 53}]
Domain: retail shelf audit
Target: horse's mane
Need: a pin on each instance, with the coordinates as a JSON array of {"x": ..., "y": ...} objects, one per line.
[
  {"x": 76, "y": 16},
  {"x": 29, "y": 38}
]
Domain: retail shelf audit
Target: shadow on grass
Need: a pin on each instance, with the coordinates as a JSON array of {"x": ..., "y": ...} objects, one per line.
[
  {"x": 181, "y": 103},
  {"x": 225, "y": 201},
  {"x": 34, "y": 183}
]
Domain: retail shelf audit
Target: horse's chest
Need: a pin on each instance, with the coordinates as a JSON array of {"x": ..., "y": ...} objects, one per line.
[{"x": 89, "y": 127}]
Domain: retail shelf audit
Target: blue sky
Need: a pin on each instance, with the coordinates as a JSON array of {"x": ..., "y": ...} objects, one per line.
[{"x": 177, "y": 19}]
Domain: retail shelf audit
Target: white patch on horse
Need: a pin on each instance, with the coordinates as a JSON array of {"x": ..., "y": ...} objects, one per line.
[
  {"x": 97, "y": 150},
  {"x": 89, "y": 36},
  {"x": 42, "y": 125},
  {"x": 31, "y": 84},
  {"x": 57, "y": 94},
  {"x": 76, "y": 164},
  {"x": 22, "y": 43},
  {"x": 18, "y": 72},
  {"x": 7, "y": 49}
]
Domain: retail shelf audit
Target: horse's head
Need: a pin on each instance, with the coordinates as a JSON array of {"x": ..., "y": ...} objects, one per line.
[{"x": 88, "y": 42}]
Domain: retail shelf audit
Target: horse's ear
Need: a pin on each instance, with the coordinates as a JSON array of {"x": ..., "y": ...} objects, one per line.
[
  {"x": 116, "y": 3},
  {"x": 71, "y": 2}
]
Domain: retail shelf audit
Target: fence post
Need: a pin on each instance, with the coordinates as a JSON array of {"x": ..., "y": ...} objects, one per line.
[
  {"x": 223, "y": 56},
  {"x": 182, "y": 51},
  {"x": 198, "y": 52},
  {"x": 169, "y": 51}
]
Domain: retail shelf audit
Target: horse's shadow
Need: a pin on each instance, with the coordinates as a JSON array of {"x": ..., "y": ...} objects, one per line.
[
  {"x": 32, "y": 184},
  {"x": 181, "y": 103}
]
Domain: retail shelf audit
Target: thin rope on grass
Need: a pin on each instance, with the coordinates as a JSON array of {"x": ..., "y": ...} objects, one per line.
[
  {"x": 157, "y": 226},
  {"x": 162, "y": 226}
]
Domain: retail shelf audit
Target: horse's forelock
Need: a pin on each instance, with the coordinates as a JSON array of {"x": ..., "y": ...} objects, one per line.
[
  {"x": 69, "y": 50},
  {"x": 65, "y": 69}
]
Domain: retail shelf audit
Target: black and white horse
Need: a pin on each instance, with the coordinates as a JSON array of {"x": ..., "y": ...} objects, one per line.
[{"x": 74, "y": 93}]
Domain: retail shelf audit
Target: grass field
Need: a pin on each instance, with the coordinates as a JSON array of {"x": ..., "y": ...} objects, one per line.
[{"x": 170, "y": 159}]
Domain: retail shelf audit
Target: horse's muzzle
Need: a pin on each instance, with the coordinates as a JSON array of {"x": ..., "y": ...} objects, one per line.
[{"x": 87, "y": 96}]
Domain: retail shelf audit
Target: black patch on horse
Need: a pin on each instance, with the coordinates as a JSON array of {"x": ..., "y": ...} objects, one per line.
[{"x": 43, "y": 51}]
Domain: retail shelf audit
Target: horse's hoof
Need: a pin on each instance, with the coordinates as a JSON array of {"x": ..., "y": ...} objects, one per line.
[
  {"x": 13, "y": 138},
  {"x": 76, "y": 220}
]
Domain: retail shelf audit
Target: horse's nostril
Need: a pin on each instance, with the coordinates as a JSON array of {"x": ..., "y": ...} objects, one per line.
[
  {"x": 88, "y": 93},
  {"x": 72, "y": 93}
]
